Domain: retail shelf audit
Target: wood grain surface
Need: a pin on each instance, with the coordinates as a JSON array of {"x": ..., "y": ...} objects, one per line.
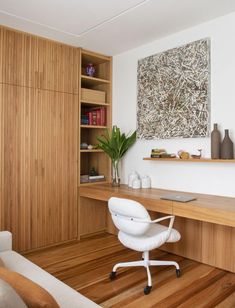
[{"x": 85, "y": 266}]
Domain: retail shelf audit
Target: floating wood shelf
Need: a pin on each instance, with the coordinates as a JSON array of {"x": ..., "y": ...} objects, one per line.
[
  {"x": 95, "y": 183},
  {"x": 92, "y": 126},
  {"x": 87, "y": 80},
  {"x": 91, "y": 151},
  {"x": 84, "y": 102},
  {"x": 194, "y": 160}
]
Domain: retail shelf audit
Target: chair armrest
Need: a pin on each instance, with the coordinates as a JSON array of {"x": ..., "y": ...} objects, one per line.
[
  {"x": 5, "y": 241},
  {"x": 172, "y": 219}
]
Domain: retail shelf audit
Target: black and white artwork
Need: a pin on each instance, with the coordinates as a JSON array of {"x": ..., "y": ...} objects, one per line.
[{"x": 173, "y": 98}]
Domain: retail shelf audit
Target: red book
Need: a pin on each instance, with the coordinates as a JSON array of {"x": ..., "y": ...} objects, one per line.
[
  {"x": 94, "y": 117},
  {"x": 89, "y": 117},
  {"x": 98, "y": 116},
  {"x": 103, "y": 116}
]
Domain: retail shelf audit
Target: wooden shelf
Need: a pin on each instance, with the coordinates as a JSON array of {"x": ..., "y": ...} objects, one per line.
[
  {"x": 83, "y": 102},
  {"x": 95, "y": 93},
  {"x": 94, "y": 183},
  {"x": 91, "y": 81},
  {"x": 194, "y": 160},
  {"x": 91, "y": 151},
  {"x": 91, "y": 57},
  {"x": 92, "y": 126}
]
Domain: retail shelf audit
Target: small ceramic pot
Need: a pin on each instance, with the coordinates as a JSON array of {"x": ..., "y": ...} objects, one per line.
[
  {"x": 90, "y": 70},
  {"x": 136, "y": 184},
  {"x": 131, "y": 177},
  {"x": 146, "y": 181}
]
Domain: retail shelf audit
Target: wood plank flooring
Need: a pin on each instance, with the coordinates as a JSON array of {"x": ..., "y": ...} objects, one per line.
[{"x": 85, "y": 267}]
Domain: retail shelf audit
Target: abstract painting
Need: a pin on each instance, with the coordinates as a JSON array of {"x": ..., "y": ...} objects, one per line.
[{"x": 173, "y": 98}]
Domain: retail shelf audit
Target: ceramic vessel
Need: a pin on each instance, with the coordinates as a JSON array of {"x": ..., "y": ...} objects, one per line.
[
  {"x": 227, "y": 146},
  {"x": 136, "y": 184},
  {"x": 90, "y": 70},
  {"x": 215, "y": 142},
  {"x": 146, "y": 182},
  {"x": 131, "y": 177}
]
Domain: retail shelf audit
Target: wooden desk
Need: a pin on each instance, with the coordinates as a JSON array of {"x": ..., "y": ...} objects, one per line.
[{"x": 206, "y": 224}]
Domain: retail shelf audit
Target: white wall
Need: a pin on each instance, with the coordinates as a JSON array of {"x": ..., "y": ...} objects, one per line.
[{"x": 208, "y": 178}]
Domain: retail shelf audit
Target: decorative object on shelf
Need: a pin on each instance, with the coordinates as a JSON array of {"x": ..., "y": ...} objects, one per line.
[
  {"x": 90, "y": 95},
  {"x": 173, "y": 93},
  {"x": 90, "y": 147},
  {"x": 83, "y": 145},
  {"x": 136, "y": 184},
  {"x": 115, "y": 144},
  {"x": 131, "y": 177},
  {"x": 183, "y": 154},
  {"x": 93, "y": 172},
  {"x": 197, "y": 156},
  {"x": 215, "y": 142},
  {"x": 90, "y": 70},
  {"x": 146, "y": 181},
  {"x": 227, "y": 147}
]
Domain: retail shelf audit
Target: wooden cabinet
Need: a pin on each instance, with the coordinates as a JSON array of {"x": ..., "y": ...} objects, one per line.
[
  {"x": 18, "y": 58},
  {"x": 26, "y": 60},
  {"x": 55, "y": 209},
  {"x": 58, "y": 67},
  {"x": 38, "y": 139},
  {"x": 38, "y": 166},
  {"x": 40, "y": 133},
  {"x": 18, "y": 170},
  {"x": 95, "y": 100}
]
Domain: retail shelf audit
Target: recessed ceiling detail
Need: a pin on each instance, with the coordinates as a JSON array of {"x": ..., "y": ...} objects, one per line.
[{"x": 109, "y": 26}]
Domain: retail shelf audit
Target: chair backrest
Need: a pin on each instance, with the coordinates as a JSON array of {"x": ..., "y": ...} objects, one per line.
[{"x": 124, "y": 210}]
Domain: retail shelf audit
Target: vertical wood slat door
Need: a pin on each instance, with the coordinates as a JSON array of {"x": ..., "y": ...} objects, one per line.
[
  {"x": 55, "y": 213},
  {"x": 17, "y": 108},
  {"x": 38, "y": 166},
  {"x": 58, "y": 67},
  {"x": 18, "y": 58}
]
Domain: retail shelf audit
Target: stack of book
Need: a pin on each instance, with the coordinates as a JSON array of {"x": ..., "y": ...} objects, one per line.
[
  {"x": 161, "y": 153},
  {"x": 96, "y": 116},
  {"x": 85, "y": 178},
  {"x": 96, "y": 178}
]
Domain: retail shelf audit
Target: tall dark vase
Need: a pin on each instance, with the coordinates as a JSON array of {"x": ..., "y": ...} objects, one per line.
[
  {"x": 215, "y": 142},
  {"x": 227, "y": 146}
]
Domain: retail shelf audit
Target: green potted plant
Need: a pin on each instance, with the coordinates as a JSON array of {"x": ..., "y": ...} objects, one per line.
[{"x": 115, "y": 144}]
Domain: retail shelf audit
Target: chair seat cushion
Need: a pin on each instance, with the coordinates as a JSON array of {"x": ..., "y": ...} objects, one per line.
[{"x": 155, "y": 236}]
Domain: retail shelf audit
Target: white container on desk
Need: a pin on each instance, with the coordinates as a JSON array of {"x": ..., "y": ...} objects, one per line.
[
  {"x": 131, "y": 177},
  {"x": 136, "y": 184},
  {"x": 146, "y": 182}
]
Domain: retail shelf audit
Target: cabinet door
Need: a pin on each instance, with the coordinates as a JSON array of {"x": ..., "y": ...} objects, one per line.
[
  {"x": 18, "y": 173},
  {"x": 18, "y": 58},
  {"x": 58, "y": 65},
  {"x": 55, "y": 212}
]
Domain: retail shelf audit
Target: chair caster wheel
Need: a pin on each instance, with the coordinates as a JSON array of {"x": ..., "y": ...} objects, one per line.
[
  {"x": 147, "y": 290},
  {"x": 178, "y": 273},
  {"x": 112, "y": 275}
]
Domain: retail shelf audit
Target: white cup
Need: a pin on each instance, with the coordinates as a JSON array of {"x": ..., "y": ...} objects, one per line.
[
  {"x": 131, "y": 177},
  {"x": 146, "y": 181},
  {"x": 136, "y": 184}
]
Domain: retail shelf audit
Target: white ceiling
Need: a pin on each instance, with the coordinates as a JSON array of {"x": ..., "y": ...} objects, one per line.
[{"x": 109, "y": 26}]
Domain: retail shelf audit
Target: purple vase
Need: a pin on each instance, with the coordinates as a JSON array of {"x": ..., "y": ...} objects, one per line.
[{"x": 90, "y": 70}]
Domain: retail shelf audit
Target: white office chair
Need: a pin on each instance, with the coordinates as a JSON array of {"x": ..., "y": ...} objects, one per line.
[{"x": 138, "y": 232}]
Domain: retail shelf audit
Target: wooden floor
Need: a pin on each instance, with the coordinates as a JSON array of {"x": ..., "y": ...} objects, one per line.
[{"x": 85, "y": 267}]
